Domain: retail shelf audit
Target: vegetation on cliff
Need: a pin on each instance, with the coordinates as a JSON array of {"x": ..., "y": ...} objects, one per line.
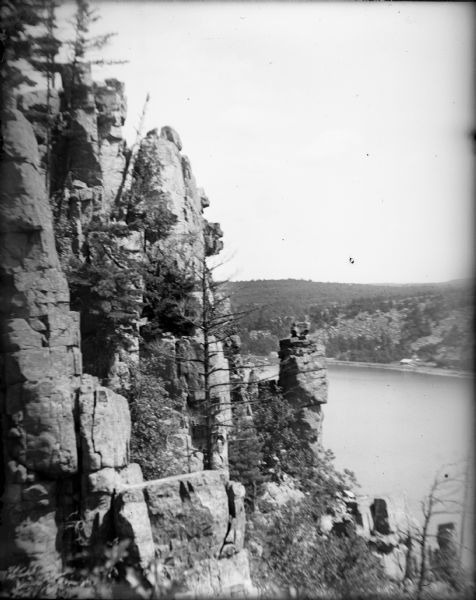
[
  {"x": 369, "y": 323},
  {"x": 154, "y": 327}
]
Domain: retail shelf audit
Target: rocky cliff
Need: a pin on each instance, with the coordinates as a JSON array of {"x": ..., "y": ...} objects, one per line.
[
  {"x": 65, "y": 436},
  {"x": 303, "y": 381},
  {"x": 55, "y": 420}
]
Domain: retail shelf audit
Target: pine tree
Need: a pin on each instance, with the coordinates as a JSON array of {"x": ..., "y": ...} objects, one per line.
[
  {"x": 45, "y": 50},
  {"x": 17, "y": 41},
  {"x": 245, "y": 457}
]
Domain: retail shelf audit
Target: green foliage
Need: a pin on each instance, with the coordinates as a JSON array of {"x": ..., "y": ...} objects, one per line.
[
  {"x": 147, "y": 207},
  {"x": 245, "y": 457},
  {"x": 381, "y": 349},
  {"x": 109, "y": 575},
  {"x": 296, "y": 555},
  {"x": 155, "y": 416},
  {"x": 415, "y": 311},
  {"x": 166, "y": 289},
  {"x": 293, "y": 551},
  {"x": 113, "y": 287},
  {"x": 259, "y": 343},
  {"x": 46, "y": 45},
  {"x": 17, "y": 43},
  {"x": 273, "y": 417},
  {"x": 106, "y": 290},
  {"x": 280, "y": 301},
  {"x": 98, "y": 580},
  {"x": 446, "y": 567},
  {"x": 166, "y": 286},
  {"x": 283, "y": 451},
  {"x": 83, "y": 42}
]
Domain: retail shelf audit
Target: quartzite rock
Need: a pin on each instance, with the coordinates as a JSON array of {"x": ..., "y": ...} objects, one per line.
[
  {"x": 225, "y": 578},
  {"x": 188, "y": 513},
  {"x": 235, "y": 538},
  {"x": 197, "y": 523},
  {"x": 40, "y": 359},
  {"x": 213, "y": 242},
  {"x": 168, "y": 133},
  {"x": 50, "y": 409},
  {"x": 303, "y": 380},
  {"x": 41, "y": 372},
  {"x": 99, "y": 490},
  {"x": 170, "y": 176},
  {"x": 102, "y": 411},
  {"x": 111, "y": 107}
]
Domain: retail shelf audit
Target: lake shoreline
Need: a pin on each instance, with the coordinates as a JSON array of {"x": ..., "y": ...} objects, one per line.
[
  {"x": 403, "y": 368},
  {"x": 424, "y": 370}
]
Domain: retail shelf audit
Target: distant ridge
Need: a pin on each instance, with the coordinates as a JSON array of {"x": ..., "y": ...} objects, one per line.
[
  {"x": 361, "y": 321},
  {"x": 293, "y": 295}
]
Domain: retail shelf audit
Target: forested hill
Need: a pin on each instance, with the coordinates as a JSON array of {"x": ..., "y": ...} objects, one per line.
[
  {"x": 285, "y": 296},
  {"x": 368, "y": 322}
]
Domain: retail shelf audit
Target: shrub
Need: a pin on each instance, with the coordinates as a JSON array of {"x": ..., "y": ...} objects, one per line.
[
  {"x": 296, "y": 555},
  {"x": 155, "y": 416},
  {"x": 245, "y": 458}
]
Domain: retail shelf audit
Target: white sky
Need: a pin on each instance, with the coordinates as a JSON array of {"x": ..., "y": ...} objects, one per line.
[{"x": 320, "y": 131}]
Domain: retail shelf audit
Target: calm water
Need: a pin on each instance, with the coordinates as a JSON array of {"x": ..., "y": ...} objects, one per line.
[{"x": 396, "y": 429}]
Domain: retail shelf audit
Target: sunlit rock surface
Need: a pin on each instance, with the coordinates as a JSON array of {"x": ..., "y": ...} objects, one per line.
[
  {"x": 198, "y": 524},
  {"x": 303, "y": 381},
  {"x": 43, "y": 388}
]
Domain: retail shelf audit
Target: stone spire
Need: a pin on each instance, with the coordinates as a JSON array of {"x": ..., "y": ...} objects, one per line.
[{"x": 303, "y": 380}]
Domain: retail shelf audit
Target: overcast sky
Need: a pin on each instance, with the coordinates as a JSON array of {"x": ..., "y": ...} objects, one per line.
[{"x": 321, "y": 131}]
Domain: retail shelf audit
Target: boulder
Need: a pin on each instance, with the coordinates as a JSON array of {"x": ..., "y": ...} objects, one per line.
[
  {"x": 189, "y": 515},
  {"x": 197, "y": 523}
]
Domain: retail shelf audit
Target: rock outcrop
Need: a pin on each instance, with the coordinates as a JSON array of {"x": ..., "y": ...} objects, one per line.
[
  {"x": 303, "y": 381},
  {"x": 171, "y": 190},
  {"x": 384, "y": 522},
  {"x": 82, "y": 127},
  {"x": 173, "y": 187},
  {"x": 65, "y": 437},
  {"x": 197, "y": 523},
  {"x": 53, "y": 417}
]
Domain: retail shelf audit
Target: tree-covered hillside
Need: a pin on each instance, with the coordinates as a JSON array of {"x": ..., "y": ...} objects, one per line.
[{"x": 362, "y": 322}]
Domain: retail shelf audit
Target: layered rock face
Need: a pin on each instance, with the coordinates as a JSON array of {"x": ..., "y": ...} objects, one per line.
[
  {"x": 194, "y": 523},
  {"x": 86, "y": 168},
  {"x": 171, "y": 185},
  {"x": 64, "y": 437},
  {"x": 303, "y": 381},
  {"x": 53, "y": 417},
  {"x": 170, "y": 177}
]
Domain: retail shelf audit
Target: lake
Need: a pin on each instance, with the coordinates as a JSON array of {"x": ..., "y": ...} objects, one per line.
[{"x": 395, "y": 429}]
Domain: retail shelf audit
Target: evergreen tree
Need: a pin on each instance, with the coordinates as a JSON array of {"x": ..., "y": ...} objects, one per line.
[
  {"x": 245, "y": 457},
  {"x": 17, "y": 45},
  {"x": 45, "y": 50},
  {"x": 83, "y": 42}
]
